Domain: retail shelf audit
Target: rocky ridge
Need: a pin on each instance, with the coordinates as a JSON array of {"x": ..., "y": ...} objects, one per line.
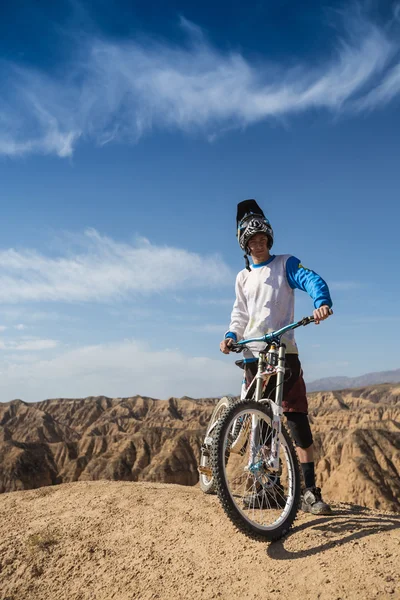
[{"x": 142, "y": 439}]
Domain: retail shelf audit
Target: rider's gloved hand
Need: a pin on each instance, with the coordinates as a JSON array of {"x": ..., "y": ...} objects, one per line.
[
  {"x": 321, "y": 313},
  {"x": 224, "y": 345}
]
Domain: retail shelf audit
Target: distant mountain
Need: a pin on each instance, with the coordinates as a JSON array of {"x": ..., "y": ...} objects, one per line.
[{"x": 341, "y": 383}]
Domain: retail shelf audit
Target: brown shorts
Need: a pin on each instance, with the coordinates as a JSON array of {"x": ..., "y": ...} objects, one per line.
[{"x": 294, "y": 388}]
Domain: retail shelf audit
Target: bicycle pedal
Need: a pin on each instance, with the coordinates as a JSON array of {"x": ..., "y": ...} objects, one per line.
[{"x": 205, "y": 471}]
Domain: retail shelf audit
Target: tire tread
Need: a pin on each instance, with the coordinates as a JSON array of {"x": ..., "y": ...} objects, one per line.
[{"x": 220, "y": 485}]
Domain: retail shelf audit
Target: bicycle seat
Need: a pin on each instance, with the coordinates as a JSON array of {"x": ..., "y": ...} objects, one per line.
[{"x": 240, "y": 363}]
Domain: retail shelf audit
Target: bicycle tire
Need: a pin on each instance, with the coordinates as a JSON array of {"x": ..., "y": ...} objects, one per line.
[
  {"x": 234, "y": 512},
  {"x": 206, "y": 483}
]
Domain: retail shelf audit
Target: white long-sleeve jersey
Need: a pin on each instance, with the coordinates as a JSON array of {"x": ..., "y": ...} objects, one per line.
[{"x": 265, "y": 299}]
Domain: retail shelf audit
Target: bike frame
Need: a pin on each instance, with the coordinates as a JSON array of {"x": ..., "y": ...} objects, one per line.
[{"x": 264, "y": 373}]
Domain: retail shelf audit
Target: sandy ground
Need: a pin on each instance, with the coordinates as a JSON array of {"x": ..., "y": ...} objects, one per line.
[{"x": 117, "y": 540}]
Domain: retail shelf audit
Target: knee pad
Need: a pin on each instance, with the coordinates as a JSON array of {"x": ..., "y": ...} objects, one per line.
[{"x": 299, "y": 427}]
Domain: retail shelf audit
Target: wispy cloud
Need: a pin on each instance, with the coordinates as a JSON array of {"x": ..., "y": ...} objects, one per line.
[
  {"x": 28, "y": 345},
  {"x": 14, "y": 314},
  {"x": 119, "y": 369},
  {"x": 209, "y": 328},
  {"x": 215, "y": 301},
  {"x": 105, "y": 269},
  {"x": 120, "y": 90}
]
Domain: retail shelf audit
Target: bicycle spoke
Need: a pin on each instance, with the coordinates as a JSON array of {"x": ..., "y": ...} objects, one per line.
[{"x": 261, "y": 495}]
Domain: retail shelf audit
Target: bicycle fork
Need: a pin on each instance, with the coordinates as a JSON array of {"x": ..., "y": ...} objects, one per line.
[{"x": 272, "y": 461}]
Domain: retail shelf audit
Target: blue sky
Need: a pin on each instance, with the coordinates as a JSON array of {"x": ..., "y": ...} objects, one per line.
[{"x": 127, "y": 136}]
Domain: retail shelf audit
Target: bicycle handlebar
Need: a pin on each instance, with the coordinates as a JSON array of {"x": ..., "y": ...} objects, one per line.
[{"x": 274, "y": 336}]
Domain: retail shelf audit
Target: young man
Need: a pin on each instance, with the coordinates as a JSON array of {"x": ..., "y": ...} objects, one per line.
[{"x": 265, "y": 302}]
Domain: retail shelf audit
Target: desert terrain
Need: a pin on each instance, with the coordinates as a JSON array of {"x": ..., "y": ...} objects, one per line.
[
  {"x": 356, "y": 434},
  {"x": 138, "y": 540},
  {"x": 101, "y": 501}
]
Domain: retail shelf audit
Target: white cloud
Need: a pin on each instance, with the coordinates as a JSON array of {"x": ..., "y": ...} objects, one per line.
[
  {"x": 216, "y": 301},
  {"x": 384, "y": 92},
  {"x": 120, "y": 369},
  {"x": 28, "y": 345},
  {"x": 104, "y": 270},
  {"x": 3, "y": 327},
  {"x": 210, "y": 328},
  {"x": 119, "y": 90},
  {"x": 13, "y": 314},
  {"x": 19, "y": 357},
  {"x": 20, "y": 326}
]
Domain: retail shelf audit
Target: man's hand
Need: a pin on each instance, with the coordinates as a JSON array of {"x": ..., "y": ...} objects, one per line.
[
  {"x": 321, "y": 313},
  {"x": 224, "y": 345}
]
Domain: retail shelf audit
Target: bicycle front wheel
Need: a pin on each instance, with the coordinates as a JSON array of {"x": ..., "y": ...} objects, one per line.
[{"x": 260, "y": 502}]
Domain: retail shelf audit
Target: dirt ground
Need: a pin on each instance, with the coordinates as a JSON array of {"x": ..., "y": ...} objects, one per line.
[{"x": 118, "y": 540}]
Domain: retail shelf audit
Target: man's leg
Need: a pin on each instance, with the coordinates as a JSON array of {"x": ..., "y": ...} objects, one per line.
[
  {"x": 295, "y": 406},
  {"x": 300, "y": 430},
  {"x": 306, "y": 458},
  {"x": 305, "y": 455}
]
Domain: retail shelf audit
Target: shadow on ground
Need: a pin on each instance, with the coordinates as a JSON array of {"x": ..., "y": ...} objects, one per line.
[{"x": 345, "y": 525}]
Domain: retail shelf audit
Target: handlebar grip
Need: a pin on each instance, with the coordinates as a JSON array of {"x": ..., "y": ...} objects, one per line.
[
  {"x": 233, "y": 346},
  {"x": 236, "y": 348}
]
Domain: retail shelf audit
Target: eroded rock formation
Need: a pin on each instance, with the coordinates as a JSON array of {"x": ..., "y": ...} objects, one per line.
[{"x": 356, "y": 435}]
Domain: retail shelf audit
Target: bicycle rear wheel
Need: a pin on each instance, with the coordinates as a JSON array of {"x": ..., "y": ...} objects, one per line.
[
  {"x": 205, "y": 471},
  {"x": 260, "y": 502}
]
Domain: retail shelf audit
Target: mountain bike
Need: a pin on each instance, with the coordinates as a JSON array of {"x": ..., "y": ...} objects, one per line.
[{"x": 248, "y": 457}]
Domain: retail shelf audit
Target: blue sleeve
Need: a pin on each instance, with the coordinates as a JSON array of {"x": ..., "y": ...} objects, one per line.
[
  {"x": 231, "y": 335},
  {"x": 301, "y": 278}
]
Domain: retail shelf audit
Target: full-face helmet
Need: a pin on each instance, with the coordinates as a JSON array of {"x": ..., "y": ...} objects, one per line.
[{"x": 251, "y": 220}]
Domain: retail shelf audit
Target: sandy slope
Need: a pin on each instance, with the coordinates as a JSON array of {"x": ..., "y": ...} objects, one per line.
[{"x": 120, "y": 540}]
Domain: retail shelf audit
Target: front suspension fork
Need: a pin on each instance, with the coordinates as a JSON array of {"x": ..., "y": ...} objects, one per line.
[{"x": 272, "y": 461}]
